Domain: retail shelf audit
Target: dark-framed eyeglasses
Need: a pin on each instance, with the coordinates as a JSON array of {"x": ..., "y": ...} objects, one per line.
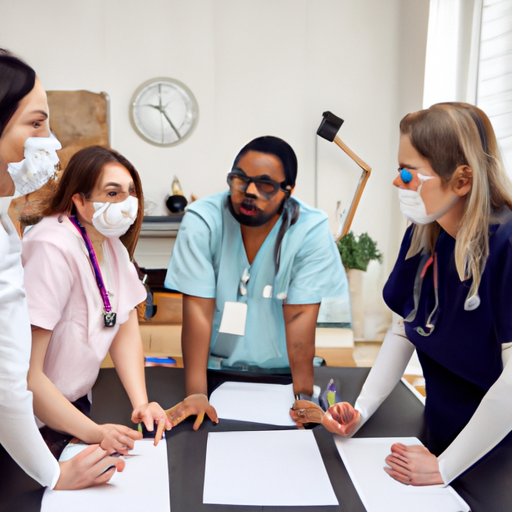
[{"x": 268, "y": 188}]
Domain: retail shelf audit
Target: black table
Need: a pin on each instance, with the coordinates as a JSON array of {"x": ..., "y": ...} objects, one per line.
[{"x": 484, "y": 487}]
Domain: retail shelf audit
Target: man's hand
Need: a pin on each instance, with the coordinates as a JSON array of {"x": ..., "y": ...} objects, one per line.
[
  {"x": 90, "y": 467},
  {"x": 149, "y": 414},
  {"x": 305, "y": 411},
  {"x": 341, "y": 419},
  {"x": 118, "y": 438},
  {"x": 413, "y": 465},
  {"x": 192, "y": 405}
]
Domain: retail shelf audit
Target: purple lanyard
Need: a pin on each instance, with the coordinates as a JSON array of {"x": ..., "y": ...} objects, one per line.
[{"x": 109, "y": 317}]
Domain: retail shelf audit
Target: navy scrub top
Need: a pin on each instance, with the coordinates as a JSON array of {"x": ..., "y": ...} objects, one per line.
[{"x": 461, "y": 358}]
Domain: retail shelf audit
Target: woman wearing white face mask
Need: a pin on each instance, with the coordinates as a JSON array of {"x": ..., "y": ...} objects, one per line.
[
  {"x": 82, "y": 290},
  {"x": 24, "y": 141},
  {"x": 452, "y": 285}
]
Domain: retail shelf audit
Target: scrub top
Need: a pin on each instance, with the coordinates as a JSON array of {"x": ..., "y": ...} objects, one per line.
[
  {"x": 209, "y": 261},
  {"x": 461, "y": 358}
]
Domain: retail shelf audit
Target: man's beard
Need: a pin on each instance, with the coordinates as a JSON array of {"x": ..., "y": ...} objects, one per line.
[{"x": 258, "y": 218}]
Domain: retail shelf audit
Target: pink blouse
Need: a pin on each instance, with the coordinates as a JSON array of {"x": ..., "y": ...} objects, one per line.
[{"x": 63, "y": 297}]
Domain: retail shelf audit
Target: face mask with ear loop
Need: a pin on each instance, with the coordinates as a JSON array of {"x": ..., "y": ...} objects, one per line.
[
  {"x": 38, "y": 166},
  {"x": 114, "y": 219},
  {"x": 413, "y": 207}
]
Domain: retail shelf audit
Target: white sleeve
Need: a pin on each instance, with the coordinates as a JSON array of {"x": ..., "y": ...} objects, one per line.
[
  {"x": 19, "y": 434},
  {"x": 395, "y": 353},
  {"x": 490, "y": 423}
]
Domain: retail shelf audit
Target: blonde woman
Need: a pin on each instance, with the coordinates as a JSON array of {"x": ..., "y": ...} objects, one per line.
[{"x": 452, "y": 285}]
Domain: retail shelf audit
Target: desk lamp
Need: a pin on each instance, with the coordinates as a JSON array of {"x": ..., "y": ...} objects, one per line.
[{"x": 328, "y": 130}]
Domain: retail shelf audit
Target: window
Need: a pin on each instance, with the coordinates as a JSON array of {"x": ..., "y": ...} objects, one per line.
[{"x": 494, "y": 87}]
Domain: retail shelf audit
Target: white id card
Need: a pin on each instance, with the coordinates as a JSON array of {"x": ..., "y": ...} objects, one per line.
[{"x": 233, "y": 318}]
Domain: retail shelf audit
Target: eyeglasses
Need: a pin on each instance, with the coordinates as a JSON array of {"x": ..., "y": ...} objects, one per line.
[{"x": 238, "y": 180}]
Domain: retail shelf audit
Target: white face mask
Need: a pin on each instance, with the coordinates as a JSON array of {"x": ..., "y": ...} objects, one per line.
[
  {"x": 114, "y": 219},
  {"x": 413, "y": 207},
  {"x": 38, "y": 166}
]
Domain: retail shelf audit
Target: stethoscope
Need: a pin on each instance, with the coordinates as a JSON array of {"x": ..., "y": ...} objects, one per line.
[{"x": 470, "y": 304}]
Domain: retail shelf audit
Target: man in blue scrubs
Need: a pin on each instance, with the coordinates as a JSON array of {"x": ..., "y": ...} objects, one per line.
[{"x": 253, "y": 265}]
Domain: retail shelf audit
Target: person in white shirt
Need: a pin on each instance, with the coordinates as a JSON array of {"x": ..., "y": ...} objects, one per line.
[{"x": 25, "y": 165}]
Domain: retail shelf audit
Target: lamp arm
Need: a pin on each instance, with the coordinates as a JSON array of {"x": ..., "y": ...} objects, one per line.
[{"x": 359, "y": 189}]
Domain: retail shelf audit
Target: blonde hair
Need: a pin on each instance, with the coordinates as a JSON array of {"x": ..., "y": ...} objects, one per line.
[{"x": 449, "y": 135}]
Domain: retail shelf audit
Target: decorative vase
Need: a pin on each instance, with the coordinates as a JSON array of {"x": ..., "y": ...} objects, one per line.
[{"x": 355, "y": 284}]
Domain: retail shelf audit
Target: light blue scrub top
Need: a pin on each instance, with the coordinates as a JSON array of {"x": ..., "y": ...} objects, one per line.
[{"x": 209, "y": 259}]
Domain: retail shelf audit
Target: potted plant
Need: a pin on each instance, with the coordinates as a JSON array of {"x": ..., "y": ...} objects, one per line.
[{"x": 355, "y": 254}]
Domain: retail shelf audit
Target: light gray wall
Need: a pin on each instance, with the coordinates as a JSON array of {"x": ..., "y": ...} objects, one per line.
[{"x": 256, "y": 67}]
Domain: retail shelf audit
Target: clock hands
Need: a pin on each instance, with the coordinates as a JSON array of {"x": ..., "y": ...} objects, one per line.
[{"x": 164, "y": 113}]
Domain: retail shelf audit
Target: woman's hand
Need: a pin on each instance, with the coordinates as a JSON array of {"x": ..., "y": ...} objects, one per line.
[
  {"x": 413, "y": 465},
  {"x": 192, "y": 405},
  {"x": 118, "y": 438},
  {"x": 91, "y": 466},
  {"x": 341, "y": 419},
  {"x": 149, "y": 414}
]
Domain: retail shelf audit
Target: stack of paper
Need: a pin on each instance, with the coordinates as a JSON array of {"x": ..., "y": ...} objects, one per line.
[
  {"x": 364, "y": 459},
  {"x": 258, "y": 403},
  {"x": 267, "y": 468},
  {"x": 143, "y": 485}
]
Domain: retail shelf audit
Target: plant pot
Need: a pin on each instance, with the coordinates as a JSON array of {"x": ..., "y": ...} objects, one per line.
[{"x": 355, "y": 284}]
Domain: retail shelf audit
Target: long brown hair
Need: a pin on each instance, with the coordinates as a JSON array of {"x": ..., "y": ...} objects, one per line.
[
  {"x": 449, "y": 135},
  {"x": 80, "y": 177}
]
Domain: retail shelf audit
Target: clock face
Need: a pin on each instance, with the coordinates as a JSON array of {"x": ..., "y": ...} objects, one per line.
[{"x": 163, "y": 111}]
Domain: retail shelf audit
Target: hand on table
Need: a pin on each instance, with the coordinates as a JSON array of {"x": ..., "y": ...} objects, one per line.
[
  {"x": 118, "y": 438},
  {"x": 192, "y": 405},
  {"x": 87, "y": 469},
  {"x": 413, "y": 465},
  {"x": 341, "y": 419},
  {"x": 149, "y": 414},
  {"x": 305, "y": 411}
]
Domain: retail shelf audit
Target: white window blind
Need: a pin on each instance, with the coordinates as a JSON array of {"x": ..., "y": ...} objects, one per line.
[{"x": 494, "y": 90}]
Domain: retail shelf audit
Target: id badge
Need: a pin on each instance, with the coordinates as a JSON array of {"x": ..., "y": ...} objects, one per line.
[{"x": 234, "y": 317}]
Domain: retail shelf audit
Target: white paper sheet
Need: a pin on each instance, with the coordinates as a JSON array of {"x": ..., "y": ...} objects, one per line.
[
  {"x": 143, "y": 485},
  {"x": 364, "y": 459},
  {"x": 259, "y": 403},
  {"x": 267, "y": 468}
]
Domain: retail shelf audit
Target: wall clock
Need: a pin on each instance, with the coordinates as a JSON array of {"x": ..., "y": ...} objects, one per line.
[{"x": 163, "y": 111}]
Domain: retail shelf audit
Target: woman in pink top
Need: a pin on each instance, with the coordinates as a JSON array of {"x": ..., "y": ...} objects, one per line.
[{"x": 82, "y": 291}]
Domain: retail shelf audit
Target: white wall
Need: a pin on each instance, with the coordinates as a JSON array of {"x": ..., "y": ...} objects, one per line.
[{"x": 256, "y": 67}]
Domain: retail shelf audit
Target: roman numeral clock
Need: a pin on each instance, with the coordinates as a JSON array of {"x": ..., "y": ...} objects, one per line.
[{"x": 163, "y": 111}]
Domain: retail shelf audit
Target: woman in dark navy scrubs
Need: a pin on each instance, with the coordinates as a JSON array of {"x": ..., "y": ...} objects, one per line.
[{"x": 452, "y": 286}]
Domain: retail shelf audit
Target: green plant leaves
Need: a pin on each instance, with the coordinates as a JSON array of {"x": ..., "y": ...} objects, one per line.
[{"x": 358, "y": 252}]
